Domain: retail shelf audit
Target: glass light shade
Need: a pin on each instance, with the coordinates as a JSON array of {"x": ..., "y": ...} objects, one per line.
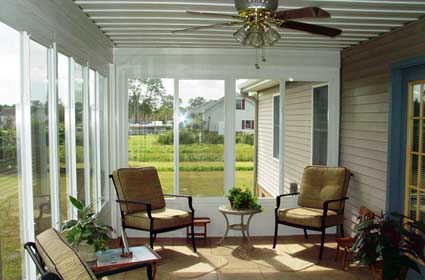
[
  {"x": 271, "y": 36},
  {"x": 256, "y": 37},
  {"x": 241, "y": 35}
]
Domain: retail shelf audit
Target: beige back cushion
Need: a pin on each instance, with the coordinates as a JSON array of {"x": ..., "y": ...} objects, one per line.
[
  {"x": 322, "y": 183},
  {"x": 138, "y": 184},
  {"x": 60, "y": 258}
]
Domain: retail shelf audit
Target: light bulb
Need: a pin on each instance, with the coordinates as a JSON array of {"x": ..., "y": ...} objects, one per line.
[
  {"x": 271, "y": 36},
  {"x": 241, "y": 35},
  {"x": 256, "y": 37}
]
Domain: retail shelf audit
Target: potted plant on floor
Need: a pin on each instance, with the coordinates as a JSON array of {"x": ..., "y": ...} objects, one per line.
[
  {"x": 242, "y": 199},
  {"x": 390, "y": 245},
  {"x": 87, "y": 234}
]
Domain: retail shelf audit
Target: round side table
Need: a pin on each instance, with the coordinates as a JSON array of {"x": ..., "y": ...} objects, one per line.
[{"x": 244, "y": 228}]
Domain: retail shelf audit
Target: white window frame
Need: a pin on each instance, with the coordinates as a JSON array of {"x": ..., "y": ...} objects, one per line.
[
  {"x": 273, "y": 133},
  {"x": 312, "y": 122}
]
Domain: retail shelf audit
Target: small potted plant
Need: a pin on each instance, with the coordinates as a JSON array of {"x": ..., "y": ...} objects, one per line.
[
  {"x": 390, "y": 245},
  {"x": 86, "y": 234},
  {"x": 242, "y": 199}
]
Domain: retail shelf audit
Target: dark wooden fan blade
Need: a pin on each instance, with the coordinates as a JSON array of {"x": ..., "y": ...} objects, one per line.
[
  {"x": 207, "y": 26},
  {"x": 308, "y": 12},
  {"x": 212, "y": 14},
  {"x": 311, "y": 28}
]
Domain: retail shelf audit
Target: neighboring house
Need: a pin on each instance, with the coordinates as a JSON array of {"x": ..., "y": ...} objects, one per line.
[
  {"x": 213, "y": 115},
  {"x": 301, "y": 138}
]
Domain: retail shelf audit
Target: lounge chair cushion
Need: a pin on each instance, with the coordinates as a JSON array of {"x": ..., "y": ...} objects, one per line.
[
  {"x": 138, "y": 184},
  {"x": 304, "y": 216},
  {"x": 162, "y": 218},
  {"x": 321, "y": 183},
  {"x": 60, "y": 258}
]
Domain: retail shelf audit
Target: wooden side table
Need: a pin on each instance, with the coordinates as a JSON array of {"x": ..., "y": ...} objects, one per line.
[
  {"x": 244, "y": 228},
  {"x": 199, "y": 222},
  {"x": 110, "y": 262},
  {"x": 345, "y": 243}
]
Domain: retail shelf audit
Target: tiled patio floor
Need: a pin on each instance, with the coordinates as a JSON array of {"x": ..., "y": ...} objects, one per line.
[{"x": 295, "y": 258}]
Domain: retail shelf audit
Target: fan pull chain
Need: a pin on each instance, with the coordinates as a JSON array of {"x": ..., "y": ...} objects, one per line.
[
  {"x": 263, "y": 55},
  {"x": 257, "y": 59}
]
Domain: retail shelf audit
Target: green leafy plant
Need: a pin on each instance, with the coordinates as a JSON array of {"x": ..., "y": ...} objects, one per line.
[
  {"x": 393, "y": 243},
  {"x": 242, "y": 199},
  {"x": 86, "y": 228}
]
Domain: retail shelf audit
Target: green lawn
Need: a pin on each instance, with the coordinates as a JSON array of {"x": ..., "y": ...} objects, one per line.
[
  {"x": 201, "y": 165},
  {"x": 10, "y": 245}
]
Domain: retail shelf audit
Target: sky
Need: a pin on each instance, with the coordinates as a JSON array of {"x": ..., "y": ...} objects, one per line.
[
  {"x": 209, "y": 89},
  {"x": 9, "y": 70}
]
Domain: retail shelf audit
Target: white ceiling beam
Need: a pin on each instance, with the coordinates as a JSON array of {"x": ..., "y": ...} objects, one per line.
[
  {"x": 187, "y": 17},
  {"x": 286, "y": 33},
  {"x": 170, "y": 29},
  {"x": 418, "y": 12},
  {"x": 179, "y": 23},
  {"x": 317, "y": 39}
]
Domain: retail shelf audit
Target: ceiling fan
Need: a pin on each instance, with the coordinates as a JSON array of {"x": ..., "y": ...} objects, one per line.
[{"x": 257, "y": 18}]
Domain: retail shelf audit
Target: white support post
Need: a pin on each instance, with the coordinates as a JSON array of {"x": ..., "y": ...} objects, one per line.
[
  {"x": 282, "y": 123},
  {"x": 98, "y": 146},
  {"x": 86, "y": 129},
  {"x": 113, "y": 148},
  {"x": 176, "y": 136},
  {"x": 229, "y": 134},
  {"x": 23, "y": 133},
  {"x": 53, "y": 136},
  {"x": 105, "y": 134},
  {"x": 70, "y": 140},
  {"x": 333, "y": 120}
]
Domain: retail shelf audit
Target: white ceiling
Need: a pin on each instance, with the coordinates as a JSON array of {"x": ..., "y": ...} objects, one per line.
[{"x": 143, "y": 23}]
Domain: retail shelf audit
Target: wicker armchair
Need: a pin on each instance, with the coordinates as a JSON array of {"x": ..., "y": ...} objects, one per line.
[
  {"x": 321, "y": 202},
  {"x": 142, "y": 203}
]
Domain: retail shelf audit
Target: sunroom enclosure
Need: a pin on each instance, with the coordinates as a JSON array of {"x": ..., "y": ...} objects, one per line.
[
  {"x": 223, "y": 70},
  {"x": 65, "y": 125}
]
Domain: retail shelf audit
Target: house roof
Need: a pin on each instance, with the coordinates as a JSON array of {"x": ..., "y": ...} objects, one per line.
[{"x": 147, "y": 23}]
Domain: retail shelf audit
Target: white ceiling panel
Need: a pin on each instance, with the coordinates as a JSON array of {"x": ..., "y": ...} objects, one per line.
[{"x": 142, "y": 23}]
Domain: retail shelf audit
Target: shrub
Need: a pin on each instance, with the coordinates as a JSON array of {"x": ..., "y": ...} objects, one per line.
[
  {"x": 244, "y": 138},
  {"x": 212, "y": 138},
  {"x": 166, "y": 138}
]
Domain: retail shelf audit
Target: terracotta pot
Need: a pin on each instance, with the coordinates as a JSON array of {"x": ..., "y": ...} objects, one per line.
[{"x": 87, "y": 251}]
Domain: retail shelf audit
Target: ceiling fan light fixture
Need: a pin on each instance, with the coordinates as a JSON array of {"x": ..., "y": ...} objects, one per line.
[
  {"x": 256, "y": 37},
  {"x": 241, "y": 35},
  {"x": 271, "y": 36}
]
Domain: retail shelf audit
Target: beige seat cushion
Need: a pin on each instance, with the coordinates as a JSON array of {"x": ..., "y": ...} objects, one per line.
[
  {"x": 309, "y": 217},
  {"x": 322, "y": 183},
  {"x": 138, "y": 184},
  {"x": 163, "y": 218},
  {"x": 60, "y": 258}
]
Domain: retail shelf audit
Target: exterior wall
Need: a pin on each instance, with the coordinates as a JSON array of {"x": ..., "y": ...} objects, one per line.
[
  {"x": 247, "y": 114},
  {"x": 214, "y": 116},
  {"x": 267, "y": 166},
  {"x": 298, "y": 136},
  {"x": 298, "y": 130},
  {"x": 365, "y": 112}
]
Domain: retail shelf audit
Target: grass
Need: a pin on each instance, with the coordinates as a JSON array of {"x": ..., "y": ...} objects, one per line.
[
  {"x": 10, "y": 243},
  {"x": 201, "y": 165}
]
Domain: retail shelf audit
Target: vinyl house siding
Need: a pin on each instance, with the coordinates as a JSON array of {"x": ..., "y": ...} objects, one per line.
[
  {"x": 365, "y": 111},
  {"x": 268, "y": 167},
  {"x": 298, "y": 113}
]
